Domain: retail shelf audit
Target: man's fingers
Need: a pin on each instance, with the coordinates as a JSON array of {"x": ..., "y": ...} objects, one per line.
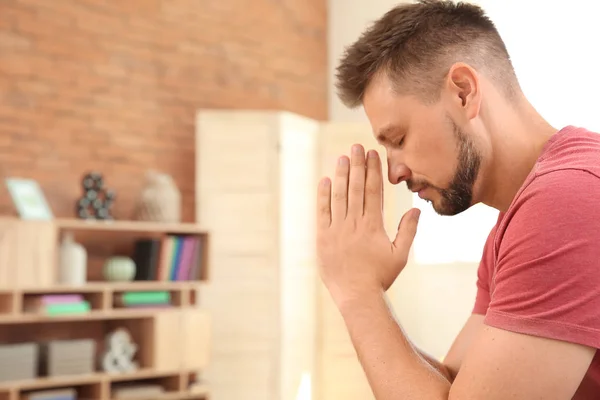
[
  {"x": 356, "y": 184},
  {"x": 324, "y": 204},
  {"x": 406, "y": 232},
  {"x": 339, "y": 195},
  {"x": 374, "y": 188}
]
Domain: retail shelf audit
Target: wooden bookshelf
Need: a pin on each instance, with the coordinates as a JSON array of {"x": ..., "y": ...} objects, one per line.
[{"x": 172, "y": 341}]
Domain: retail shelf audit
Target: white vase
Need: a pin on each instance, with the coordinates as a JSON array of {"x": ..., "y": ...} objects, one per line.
[{"x": 73, "y": 262}]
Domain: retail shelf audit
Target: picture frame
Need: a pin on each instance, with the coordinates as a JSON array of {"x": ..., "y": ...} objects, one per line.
[{"x": 29, "y": 199}]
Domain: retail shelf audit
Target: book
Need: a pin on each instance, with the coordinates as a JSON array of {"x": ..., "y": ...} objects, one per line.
[
  {"x": 172, "y": 258},
  {"x": 56, "y": 305},
  {"x": 146, "y": 256},
  {"x": 147, "y": 298}
]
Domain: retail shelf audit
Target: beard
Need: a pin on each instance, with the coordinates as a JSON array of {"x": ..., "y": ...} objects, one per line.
[{"x": 458, "y": 196}]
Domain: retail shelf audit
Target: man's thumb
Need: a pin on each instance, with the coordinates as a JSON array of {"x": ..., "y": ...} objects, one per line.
[{"x": 407, "y": 229}]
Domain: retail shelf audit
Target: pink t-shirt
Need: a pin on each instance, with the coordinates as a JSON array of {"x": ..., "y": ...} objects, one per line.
[{"x": 540, "y": 270}]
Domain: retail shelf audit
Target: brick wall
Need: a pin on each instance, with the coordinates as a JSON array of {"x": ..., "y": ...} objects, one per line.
[{"x": 113, "y": 86}]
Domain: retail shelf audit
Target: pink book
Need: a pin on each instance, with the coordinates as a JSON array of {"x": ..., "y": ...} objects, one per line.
[
  {"x": 61, "y": 298},
  {"x": 186, "y": 258}
]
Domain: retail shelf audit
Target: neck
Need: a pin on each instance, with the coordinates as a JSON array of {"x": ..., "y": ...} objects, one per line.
[{"x": 517, "y": 135}]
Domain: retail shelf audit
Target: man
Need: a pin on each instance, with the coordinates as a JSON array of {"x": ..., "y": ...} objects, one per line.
[{"x": 441, "y": 95}]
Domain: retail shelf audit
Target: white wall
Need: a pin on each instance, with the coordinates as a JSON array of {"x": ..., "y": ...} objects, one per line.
[
  {"x": 346, "y": 20},
  {"x": 554, "y": 51},
  {"x": 556, "y": 63}
]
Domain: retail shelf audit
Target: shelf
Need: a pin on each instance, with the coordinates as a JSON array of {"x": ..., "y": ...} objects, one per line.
[
  {"x": 48, "y": 383},
  {"x": 129, "y": 226},
  {"x": 99, "y": 315},
  {"x": 103, "y": 239},
  {"x": 75, "y": 380},
  {"x": 38, "y": 256},
  {"x": 101, "y": 297},
  {"x": 114, "y": 225},
  {"x": 93, "y": 287},
  {"x": 177, "y": 396},
  {"x": 141, "y": 374},
  {"x": 196, "y": 394}
]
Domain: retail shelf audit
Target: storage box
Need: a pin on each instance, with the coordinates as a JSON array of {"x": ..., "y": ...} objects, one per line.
[
  {"x": 67, "y": 357},
  {"x": 18, "y": 361}
]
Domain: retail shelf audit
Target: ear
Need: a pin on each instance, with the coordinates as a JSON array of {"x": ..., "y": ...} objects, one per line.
[{"x": 463, "y": 83}]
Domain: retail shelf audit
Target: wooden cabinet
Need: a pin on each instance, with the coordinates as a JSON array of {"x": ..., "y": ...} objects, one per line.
[
  {"x": 256, "y": 179},
  {"x": 275, "y": 328}
]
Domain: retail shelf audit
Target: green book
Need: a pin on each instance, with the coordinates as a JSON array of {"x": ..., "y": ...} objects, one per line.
[
  {"x": 67, "y": 308},
  {"x": 159, "y": 297}
]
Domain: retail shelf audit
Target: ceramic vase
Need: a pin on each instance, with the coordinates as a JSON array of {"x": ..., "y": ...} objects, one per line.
[
  {"x": 119, "y": 269},
  {"x": 73, "y": 262},
  {"x": 160, "y": 200}
]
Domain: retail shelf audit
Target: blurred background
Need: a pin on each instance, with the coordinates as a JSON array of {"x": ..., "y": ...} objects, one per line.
[{"x": 125, "y": 125}]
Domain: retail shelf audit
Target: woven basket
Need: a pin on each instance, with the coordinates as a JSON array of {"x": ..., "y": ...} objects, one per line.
[{"x": 160, "y": 200}]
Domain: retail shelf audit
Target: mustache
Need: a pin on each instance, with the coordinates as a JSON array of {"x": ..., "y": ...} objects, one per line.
[{"x": 412, "y": 185}]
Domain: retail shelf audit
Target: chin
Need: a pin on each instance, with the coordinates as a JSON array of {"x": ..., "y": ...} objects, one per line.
[
  {"x": 442, "y": 211},
  {"x": 448, "y": 210}
]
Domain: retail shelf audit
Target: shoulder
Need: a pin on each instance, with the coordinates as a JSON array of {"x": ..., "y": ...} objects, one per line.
[
  {"x": 571, "y": 149},
  {"x": 563, "y": 190},
  {"x": 557, "y": 209},
  {"x": 551, "y": 231},
  {"x": 568, "y": 168}
]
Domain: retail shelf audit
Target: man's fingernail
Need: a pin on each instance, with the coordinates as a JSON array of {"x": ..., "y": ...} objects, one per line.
[
  {"x": 343, "y": 160},
  {"x": 356, "y": 149},
  {"x": 372, "y": 154},
  {"x": 417, "y": 213}
]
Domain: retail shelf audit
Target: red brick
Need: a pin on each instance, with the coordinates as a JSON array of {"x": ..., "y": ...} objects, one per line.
[{"x": 114, "y": 86}]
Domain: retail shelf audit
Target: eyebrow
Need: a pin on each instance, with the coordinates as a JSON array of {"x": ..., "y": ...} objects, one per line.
[{"x": 384, "y": 133}]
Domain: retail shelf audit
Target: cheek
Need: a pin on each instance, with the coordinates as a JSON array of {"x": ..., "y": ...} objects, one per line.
[{"x": 434, "y": 159}]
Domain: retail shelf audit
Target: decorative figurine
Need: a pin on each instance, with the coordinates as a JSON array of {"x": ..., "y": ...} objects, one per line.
[{"x": 97, "y": 200}]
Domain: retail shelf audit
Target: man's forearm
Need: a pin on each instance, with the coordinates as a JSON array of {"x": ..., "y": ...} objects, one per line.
[
  {"x": 395, "y": 370},
  {"x": 439, "y": 366}
]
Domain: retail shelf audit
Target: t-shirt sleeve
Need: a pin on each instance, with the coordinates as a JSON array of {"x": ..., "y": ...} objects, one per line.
[
  {"x": 547, "y": 280},
  {"x": 482, "y": 297}
]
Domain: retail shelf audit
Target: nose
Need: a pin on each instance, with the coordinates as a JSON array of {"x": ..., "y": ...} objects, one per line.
[{"x": 398, "y": 172}]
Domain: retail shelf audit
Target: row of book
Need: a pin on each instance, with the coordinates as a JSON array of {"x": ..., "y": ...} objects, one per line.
[
  {"x": 56, "y": 304},
  {"x": 171, "y": 258},
  {"x": 64, "y": 304}
]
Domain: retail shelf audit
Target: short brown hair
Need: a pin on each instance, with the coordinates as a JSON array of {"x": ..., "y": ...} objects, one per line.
[{"x": 416, "y": 43}]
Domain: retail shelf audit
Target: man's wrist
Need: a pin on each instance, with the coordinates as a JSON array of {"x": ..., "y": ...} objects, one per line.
[{"x": 365, "y": 300}]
